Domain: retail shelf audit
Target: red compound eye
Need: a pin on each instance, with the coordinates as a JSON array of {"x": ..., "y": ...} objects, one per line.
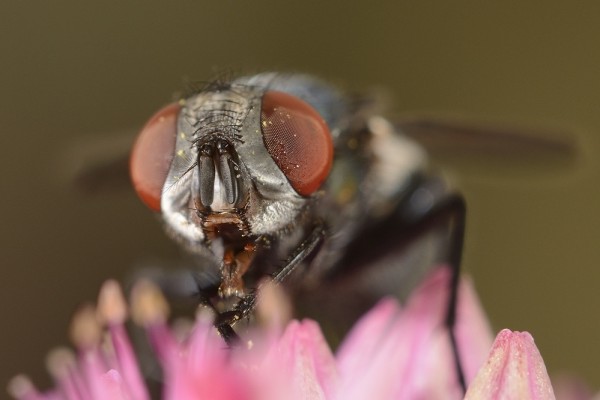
[
  {"x": 298, "y": 139},
  {"x": 152, "y": 154}
]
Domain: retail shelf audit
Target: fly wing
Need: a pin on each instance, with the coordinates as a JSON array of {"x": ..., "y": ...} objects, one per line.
[
  {"x": 100, "y": 163},
  {"x": 97, "y": 163},
  {"x": 493, "y": 147}
]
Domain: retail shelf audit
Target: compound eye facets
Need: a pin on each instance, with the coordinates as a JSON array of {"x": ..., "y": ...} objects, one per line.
[
  {"x": 152, "y": 155},
  {"x": 298, "y": 140}
]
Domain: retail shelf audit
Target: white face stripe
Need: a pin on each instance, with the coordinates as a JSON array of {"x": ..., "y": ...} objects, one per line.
[{"x": 176, "y": 210}]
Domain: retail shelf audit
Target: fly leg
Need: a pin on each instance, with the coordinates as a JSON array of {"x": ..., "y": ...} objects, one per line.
[
  {"x": 303, "y": 251},
  {"x": 429, "y": 210},
  {"x": 449, "y": 211},
  {"x": 245, "y": 306}
]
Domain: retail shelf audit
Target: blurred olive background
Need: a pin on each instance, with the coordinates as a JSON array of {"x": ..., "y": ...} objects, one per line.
[{"x": 73, "y": 74}]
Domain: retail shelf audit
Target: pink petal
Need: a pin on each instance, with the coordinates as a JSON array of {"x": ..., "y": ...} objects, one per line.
[
  {"x": 66, "y": 373},
  {"x": 363, "y": 340},
  {"x": 200, "y": 369},
  {"x": 427, "y": 371},
  {"x": 114, "y": 387},
  {"x": 183, "y": 383},
  {"x": 406, "y": 354},
  {"x": 473, "y": 332},
  {"x": 205, "y": 348},
  {"x": 398, "y": 359},
  {"x": 300, "y": 365},
  {"x": 126, "y": 363},
  {"x": 514, "y": 370},
  {"x": 92, "y": 366},
  {"x": 124, "y": 373}
]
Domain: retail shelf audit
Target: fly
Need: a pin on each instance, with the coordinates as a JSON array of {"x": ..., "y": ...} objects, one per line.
[{"x": 283, "y": 176}]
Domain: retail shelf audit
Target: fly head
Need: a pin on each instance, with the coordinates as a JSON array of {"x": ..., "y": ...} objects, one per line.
[{"x": 231, "y": 169}]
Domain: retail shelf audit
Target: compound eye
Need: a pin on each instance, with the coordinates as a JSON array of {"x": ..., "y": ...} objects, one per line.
[
  {"x": 298, "y": 139},
  {"x": 152, "y": 154}
]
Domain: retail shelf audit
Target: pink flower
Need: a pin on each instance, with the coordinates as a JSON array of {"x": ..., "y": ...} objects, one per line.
[
  {"x": 391, "y": 353},
  {"x": 514, "y": 370}
]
